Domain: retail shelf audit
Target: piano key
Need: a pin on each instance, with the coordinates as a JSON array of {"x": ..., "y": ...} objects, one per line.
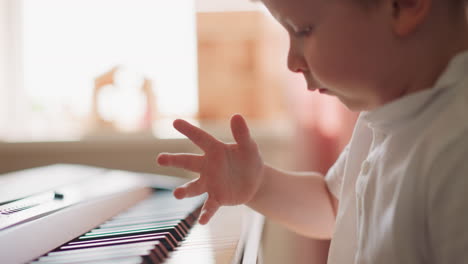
[
  {"x": 159, "y": 242},
  {"x": 150, "y": 258},
  {"x": 109, "y": 248},
  {"x": 115, "y": 242},
  {"x": 155, "y": 216},
  {"x": 124, "y": 260},
  {"x": 167, "y": 206},
  {"x": 153, "y": 250},
  {"x": 200, "y": 247},
  {"x": 180, "y": 227},
  {"x": 115, "y": 222},
  {"x": 138, "y": 226},
  {"x": 99, "y": 256},
  {"x": 169, "y": 240},
  {"x": 157, "y": 212},
  {"x": 186, "y": 220},
  {"x": 153, "y": 221},
  {"x": 175, "y": 228},
  {"x": 177, "y": 235}
]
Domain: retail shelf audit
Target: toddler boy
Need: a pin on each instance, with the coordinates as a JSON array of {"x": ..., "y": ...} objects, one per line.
[{"x": 397, "y": 192}]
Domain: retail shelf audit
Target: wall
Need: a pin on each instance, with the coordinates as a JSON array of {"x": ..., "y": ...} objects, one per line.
[
  {"x": 3, "y": 63},
  {"x": 134, "y": 154}
]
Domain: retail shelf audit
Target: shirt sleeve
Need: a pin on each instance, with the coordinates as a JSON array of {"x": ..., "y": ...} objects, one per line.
[
  {"x": 447, "y": 208},
  {"x": 334, "y": 177}
]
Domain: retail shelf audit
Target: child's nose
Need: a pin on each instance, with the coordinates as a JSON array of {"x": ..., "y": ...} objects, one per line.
[{"x": 296, "y": 62}]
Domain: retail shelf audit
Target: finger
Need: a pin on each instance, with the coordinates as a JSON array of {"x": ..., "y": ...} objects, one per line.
[
  {"x": 189, "y": 162},
  {"x": 195, "y": 134},
  {"x": 209, "y": 209},
  {"x": 240, "y": 130},
  {"x": 190, "y": 189}
]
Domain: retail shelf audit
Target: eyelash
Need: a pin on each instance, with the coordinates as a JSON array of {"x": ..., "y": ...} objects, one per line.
[{"x": 305, "y": 32}]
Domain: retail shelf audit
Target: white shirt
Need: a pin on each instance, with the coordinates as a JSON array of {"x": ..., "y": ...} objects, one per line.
[{"x": 402, "y": 181}]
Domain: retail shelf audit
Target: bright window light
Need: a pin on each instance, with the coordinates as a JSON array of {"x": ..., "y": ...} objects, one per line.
[{"x": 67, "y": 43}]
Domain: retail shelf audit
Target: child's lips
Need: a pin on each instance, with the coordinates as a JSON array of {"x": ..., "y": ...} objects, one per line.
[
  {"x": 323, "y": 90},
  {"x": 319, "y": 89},
  {"x": 314, "y": 88}
]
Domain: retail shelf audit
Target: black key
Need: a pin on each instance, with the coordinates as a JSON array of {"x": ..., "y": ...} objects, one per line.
[
  {"x": 169, "y": 241},
  {"x": 176, "y": 223},
  {"x": 177, "y": 235},
  {"x": 115, "y": 242}
]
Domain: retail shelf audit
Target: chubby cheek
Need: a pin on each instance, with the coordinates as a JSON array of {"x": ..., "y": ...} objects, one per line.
[
  {"x": 347, "y": 53},
  {"x": 347, "y": 69},
  {"x": 341, "y": 64}
]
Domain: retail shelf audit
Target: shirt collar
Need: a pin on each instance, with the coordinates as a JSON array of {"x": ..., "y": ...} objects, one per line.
[{"x": 403, "y": 109}]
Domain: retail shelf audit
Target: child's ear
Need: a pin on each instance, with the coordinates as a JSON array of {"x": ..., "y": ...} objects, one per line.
[{"x": 409, "y": 14}]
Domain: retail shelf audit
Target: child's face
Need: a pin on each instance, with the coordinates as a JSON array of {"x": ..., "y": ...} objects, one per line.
[{"x": 341, "y": 48}]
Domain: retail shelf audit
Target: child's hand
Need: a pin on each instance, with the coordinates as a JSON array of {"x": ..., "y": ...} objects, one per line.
[{"x": 231, "y": 174}]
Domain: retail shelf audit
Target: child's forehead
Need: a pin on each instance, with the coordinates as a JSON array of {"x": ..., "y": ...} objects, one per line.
[{"x": 287, "y": 10}]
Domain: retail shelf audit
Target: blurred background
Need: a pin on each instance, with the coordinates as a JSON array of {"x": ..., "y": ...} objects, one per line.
[{"x": 99, "y": 82}]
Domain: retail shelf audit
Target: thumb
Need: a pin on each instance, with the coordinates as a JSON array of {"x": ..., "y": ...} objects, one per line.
[
  {"x": 208, "y": 210},
  {"x": 240, "y": 130}
]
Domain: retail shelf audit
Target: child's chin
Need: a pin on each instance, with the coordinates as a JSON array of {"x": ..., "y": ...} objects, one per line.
[{"x": 355, "y": 106}]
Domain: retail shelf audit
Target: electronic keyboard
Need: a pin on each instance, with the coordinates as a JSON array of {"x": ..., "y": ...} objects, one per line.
[{"x": 79, "y": 214}]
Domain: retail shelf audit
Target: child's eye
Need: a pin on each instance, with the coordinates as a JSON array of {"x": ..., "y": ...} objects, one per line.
[{"x": 304, "y": 32}]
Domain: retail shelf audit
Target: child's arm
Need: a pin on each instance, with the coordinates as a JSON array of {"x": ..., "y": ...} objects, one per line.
[
  {"x": 235, "y": 174},
  {"x": 300, "y": 201}
]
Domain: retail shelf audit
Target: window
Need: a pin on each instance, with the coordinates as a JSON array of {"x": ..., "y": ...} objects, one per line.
[{"x": 56, "y": 48}]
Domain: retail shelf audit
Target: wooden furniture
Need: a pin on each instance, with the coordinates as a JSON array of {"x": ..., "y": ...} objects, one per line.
[{"x": 239, "y": 64}]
